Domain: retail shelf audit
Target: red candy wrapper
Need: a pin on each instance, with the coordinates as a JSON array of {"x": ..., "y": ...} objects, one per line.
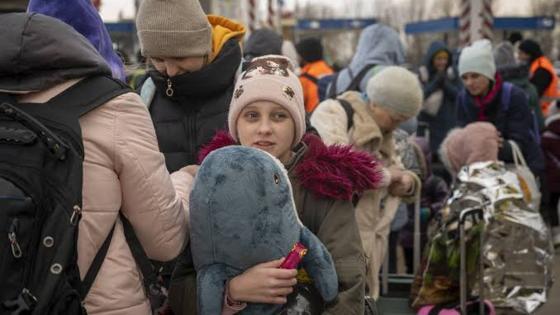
[{"x": 294, "y": 257}]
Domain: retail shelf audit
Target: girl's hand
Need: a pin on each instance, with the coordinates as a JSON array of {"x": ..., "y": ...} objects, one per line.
[{"x": 263, "y": 283}]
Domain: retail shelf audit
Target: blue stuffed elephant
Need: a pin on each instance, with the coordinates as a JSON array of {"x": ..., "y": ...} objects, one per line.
[{"x": 242, "y": 213}]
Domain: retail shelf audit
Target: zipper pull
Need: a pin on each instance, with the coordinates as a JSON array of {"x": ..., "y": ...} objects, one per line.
[
  {"x": 169, "y": 92},
  {"x": 76, "y": 215},
  {"x": 16, "y": 249}
]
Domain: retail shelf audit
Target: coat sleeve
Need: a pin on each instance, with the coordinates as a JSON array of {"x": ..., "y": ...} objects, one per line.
[
  {"x": 153, "y": 201},
  {"x": 339, "y": 233},
  {"x": 331, "y": 121}
]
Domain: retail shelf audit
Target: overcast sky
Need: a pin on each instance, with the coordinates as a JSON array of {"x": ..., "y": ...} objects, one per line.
[{"x": 111, "y": 9}]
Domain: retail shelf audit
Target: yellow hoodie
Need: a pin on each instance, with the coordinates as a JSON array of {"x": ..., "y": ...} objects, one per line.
[{"x": 223, "y": 29}]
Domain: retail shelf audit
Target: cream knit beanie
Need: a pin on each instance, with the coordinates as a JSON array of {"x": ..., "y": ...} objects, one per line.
[
  {"x": 397, "y": 90},
  {"x": 173, "y": 28},
  {"x": 269, "y": 78}
]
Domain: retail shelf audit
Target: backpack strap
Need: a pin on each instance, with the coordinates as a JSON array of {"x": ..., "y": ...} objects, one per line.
[
  {"x": 331, "y": 93},
  {"x": 89, "y": 94},
  {"x": 149, "y": 276},
  {"x": 96, "y": 264},
  {"x": 349, "y": 112},
  {"x": 67, "y": 107},
  {"x": 310, "y": 77},
  {"x": 355, "y": 84},
  {"x": 506, "y": 95}
]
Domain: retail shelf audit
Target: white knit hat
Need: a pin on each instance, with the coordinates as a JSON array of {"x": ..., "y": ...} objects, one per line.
[
  {"x": 397, "y": 90},
  {"x": 478, "y": 58}
]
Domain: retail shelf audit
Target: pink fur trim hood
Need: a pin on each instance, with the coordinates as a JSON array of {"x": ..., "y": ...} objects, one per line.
[{"x": 336, "y": 171}]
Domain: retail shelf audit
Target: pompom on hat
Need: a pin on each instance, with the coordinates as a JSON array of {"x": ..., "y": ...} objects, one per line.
[{"x": 269, "y": 78}]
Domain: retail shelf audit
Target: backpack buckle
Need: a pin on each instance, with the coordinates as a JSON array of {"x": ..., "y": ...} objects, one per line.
[{"x": 23, "y": 304}]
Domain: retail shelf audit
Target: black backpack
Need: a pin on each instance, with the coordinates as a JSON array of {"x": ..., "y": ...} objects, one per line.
[{"x": 41, "y": 156}]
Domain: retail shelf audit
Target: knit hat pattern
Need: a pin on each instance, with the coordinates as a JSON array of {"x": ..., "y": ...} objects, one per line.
[
  {"x": 173, "y": 28},
  {"x": 478, "y": 58},
  {"x": 269, "y": 78},
  {"x": 396, "y": 89}
]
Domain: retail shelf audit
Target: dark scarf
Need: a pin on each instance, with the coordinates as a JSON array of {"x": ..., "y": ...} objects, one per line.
[{"x": 482, "y": 102}]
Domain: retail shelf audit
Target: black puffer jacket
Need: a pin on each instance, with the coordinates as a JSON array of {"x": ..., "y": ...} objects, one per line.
[{"x": 197, "y": 109}]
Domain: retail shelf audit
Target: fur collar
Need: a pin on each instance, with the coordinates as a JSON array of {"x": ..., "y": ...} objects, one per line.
[{"x": 336, "y": 171}]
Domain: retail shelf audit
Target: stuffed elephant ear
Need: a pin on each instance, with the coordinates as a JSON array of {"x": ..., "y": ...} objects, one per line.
[
  {"x": 211, "y": 282},
  {"x": 319, "y": 265}
]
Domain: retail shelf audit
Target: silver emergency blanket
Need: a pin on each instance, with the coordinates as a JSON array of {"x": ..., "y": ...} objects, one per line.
[{"x": 517, "y": 248}]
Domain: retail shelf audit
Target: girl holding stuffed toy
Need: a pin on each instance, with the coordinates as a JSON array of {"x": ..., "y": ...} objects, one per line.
[{"x": 267, "y": 112}]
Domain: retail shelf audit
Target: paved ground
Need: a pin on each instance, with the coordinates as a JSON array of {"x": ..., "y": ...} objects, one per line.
[{"x": 552, "y": 307}]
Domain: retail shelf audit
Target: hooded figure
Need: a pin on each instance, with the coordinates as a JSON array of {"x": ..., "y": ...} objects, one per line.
[
  {"x": 244, "y": 194},
  {"x": 440, "y": 90},
  {"x": 379, "y": 45},
  {"x": 82, "y": 16}
]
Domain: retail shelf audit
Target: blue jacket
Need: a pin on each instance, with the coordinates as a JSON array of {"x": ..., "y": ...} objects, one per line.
[
  {"x": 514, "y": 121},
  {"x": 445, "y": 119}
]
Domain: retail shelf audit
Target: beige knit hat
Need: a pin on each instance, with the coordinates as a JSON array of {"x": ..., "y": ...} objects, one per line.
[
  {"x": 397, "y": 90},
  {"x": 269, "y": 78},
  {"x": 173, "y": 28}
]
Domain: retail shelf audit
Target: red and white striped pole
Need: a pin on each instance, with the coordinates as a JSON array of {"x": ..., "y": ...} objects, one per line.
[
  {"x": 476, "y": 21},
  {"x": 465, "y": 23},
  {"x": 271, "y": 14},
  {"x": 252, "y": 15}
]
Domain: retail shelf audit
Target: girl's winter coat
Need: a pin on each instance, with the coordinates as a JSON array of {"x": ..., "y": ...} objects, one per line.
[{"x": 324, "y": 181}]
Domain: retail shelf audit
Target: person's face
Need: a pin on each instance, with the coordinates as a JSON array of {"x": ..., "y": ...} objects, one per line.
[
  {"x": 523, "y": 56},
  {"x": 476, "y": 84},
  {"x": 267, "y": 126},
  {"x": 385, "y": 119},
  {"x": 440, "y": 62},
  {"x": 171, "y": 66}
]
